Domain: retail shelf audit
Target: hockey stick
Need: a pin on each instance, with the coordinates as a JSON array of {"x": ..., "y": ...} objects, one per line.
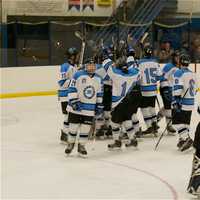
[
  {"x": 162, "y": 134},
  {"x": 142, "y": 43},
  {"x": 159, "y": 107},
  {"x": 81, "y": 37}
]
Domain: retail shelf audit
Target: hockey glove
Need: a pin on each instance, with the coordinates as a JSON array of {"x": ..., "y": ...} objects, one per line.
[
  {"x": 176, "y": 104},
  {"x": 76, "y": 105}
]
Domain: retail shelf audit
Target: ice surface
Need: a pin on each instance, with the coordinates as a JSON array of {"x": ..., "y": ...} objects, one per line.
[{"x": 34, "y": 165}]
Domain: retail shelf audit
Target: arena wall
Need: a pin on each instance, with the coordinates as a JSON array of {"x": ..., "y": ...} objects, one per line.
[{"x": 36, "y": 81}]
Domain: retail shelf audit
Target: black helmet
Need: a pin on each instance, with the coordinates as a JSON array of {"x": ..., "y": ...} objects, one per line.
[
  {"x": 121, "y": 63},
  {"x": 185, "y": 60},
  {"x": 148, "y": 51},
  {"x": 72, "y": 51}
]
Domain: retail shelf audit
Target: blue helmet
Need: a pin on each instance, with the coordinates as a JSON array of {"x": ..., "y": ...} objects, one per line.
[
  {"x": 107, "y": 53},
  {"x": 72, "y": 51}
]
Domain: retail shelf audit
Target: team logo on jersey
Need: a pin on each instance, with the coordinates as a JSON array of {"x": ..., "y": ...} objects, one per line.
[{"x": 89, "y": 92}]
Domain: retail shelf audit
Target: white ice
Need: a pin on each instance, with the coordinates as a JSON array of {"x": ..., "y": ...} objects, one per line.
[{"x": 34, "y": 165}]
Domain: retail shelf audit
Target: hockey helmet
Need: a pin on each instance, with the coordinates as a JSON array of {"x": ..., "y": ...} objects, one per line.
[
  {"x": 185, "y": 60},
  {"x": 130, "y": 51},
  {"x": 72, "y": 51},
  {"x": 107, "y": 53}
]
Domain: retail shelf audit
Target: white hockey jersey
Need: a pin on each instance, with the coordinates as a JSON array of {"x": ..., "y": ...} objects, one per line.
[
  {"x": 122, "y": 83},
  {"x": 66, "y": 73},
  {"x": 87, "y": 90},
  {"x": 167, "y": 78},
  {"x": 106, "y": 63},
  {"x": 150, "y": 75},
  {"x": 185, "y": 86}
]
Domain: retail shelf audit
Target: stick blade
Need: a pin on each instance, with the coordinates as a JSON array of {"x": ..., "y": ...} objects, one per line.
[{"x": 78, "y": 34}]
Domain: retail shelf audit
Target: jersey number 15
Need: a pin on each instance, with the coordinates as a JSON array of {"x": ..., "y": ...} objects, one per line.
[{"x": 150, "y": 74}]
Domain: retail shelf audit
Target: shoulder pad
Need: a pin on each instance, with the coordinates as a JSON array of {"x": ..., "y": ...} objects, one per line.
[
  {"x": 64, "y": 67},
  {"x": 178, "y": 73}
]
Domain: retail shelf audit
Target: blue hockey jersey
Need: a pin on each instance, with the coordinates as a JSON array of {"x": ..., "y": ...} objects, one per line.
[
  {"x": 167, "y": 77},
  {"x": 65, "y": 76}
]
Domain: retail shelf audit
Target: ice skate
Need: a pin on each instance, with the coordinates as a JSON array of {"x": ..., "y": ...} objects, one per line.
[
  {"x": 132, "y": 143},
  {"x": 186, "y": 144},
  {"x": 123, "y": 136},
  {"x": 180, "y": 143},
  {"x": 116, "y": 145},
  {"x": 171, "y": 131},
  {"x": 81, "y": 150},
  {"x": 148, "y": 131},
  {"x": 69, "y": 148}
]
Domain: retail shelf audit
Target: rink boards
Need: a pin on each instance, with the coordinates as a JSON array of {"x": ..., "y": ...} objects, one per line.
[{"x": 39, "y": 81}]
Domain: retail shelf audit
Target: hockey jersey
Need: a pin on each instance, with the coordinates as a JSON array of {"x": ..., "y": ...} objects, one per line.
[
  {"x": 150, "y": 75},
  {"x": 168, "y": 75},
  {"x": 106, "y": 64},
  {"x": 87, "y": 90},
  {"x": 185, "y": 86},
  {"x": 66, "y": 72},
  {"x": 122, "y": 83}
]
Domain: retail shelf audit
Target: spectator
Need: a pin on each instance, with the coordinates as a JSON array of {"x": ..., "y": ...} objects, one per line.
[
  {"x": 195, "y": 50},
  {"x": 165, "y": 52}
]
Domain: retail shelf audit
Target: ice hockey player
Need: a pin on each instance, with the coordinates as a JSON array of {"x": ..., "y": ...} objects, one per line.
[
  {"x": 85, "y": 101},
  {"x": 65, "y": 74},
  {"x": 194, "y": 183},
  {"x": 150, "y": 75},
  {"x": 184, "y": 91},
  {"x": 132, "y": 62},
  {"x": 126, "y": 96},
  {"x": 166, "y": 84},
  {"x": 103, "y": 127}
]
